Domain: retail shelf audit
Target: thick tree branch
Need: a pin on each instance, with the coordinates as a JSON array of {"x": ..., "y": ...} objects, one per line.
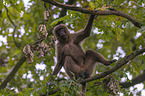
[
  {"x": 136, "y": 80},
  {"x": 63, "y": 11},
  {"x": 13, "y": 72},
  {"x": 87, "y": 11}
]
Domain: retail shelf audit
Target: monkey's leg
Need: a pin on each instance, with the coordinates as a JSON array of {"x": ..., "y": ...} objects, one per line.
[
  {"x": 90, "y": 62},
  {"x": 98, "y": 57},
  {"x": 71, "y": 68}
]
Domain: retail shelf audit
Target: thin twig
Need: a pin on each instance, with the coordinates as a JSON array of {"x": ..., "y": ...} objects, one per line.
[{"x": 14, "y": 27}]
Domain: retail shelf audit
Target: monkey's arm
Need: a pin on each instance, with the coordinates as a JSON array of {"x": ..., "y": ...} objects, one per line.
[
  {"x": 55, "y": 72},
  {"x": 57, "y": 69},
  {"x": 86, "y": 31},
  {"x": 59, "y": 56}
]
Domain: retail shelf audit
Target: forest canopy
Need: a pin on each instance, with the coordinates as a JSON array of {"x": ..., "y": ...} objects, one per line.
[{"x": 27, "y": 46}]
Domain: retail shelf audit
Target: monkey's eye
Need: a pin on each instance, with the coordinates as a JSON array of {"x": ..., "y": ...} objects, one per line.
[{"x": 58, "y": 32}]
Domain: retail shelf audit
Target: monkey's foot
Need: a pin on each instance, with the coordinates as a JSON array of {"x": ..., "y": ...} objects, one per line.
[{"x": 110, "y": 62}]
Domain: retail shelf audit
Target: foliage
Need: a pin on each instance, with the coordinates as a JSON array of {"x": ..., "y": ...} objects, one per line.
[{"x": 112, "y": 36}]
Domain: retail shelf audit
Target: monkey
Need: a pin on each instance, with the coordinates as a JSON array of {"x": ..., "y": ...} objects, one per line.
[{"x": 71, "y": 56}]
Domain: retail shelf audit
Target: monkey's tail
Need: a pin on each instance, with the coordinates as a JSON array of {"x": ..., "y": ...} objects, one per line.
[{"x": 84, "y": 87}]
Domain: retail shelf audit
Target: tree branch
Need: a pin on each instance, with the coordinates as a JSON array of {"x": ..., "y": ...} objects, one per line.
[
  {"x": 87, "y": 11},
  {"x": 136, "y": 80},
  {"x": 18, "y": 46},
  {"x": 13, "y": 72}
]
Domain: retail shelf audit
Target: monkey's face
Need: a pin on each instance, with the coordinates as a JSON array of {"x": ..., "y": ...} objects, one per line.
[{"x": 61, "y": 34}]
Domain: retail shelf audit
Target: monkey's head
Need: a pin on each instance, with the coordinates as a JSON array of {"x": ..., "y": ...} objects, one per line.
[{"x": 61, "y": 33}]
